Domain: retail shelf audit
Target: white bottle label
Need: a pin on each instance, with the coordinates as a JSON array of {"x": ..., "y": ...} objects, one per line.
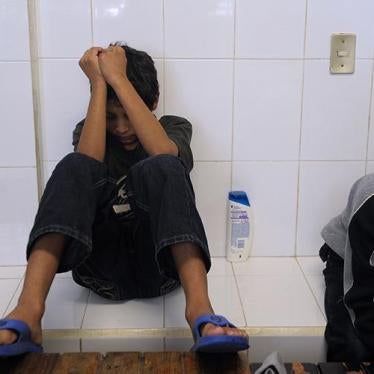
[{"x": 239, "y": 227}]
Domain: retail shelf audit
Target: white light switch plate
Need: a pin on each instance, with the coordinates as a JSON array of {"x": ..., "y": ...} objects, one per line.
[{"x": 343, "y": 52}]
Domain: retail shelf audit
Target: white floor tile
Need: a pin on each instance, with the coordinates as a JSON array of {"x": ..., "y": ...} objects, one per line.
[
  {"x": 66, "y": 304},
  {"x": 61, "y": 345},
  {"x": 267, "y": 266},
  {"x": 223, "y": 295},
  {"x": 123, "y": 344},
  {"x": 182, "y": 344},
  {"x": 14, "y": 298},
  {"x": 318, "y": 286},
  {"x": 290, "y": 348},
  {"x": 174, "y": 309},
  {"x": 12, "y": 272},
  {"x": 312, "y": 265},
  {"x": 8, "y": 287},
  {"x": 279, "y": 300},
  {"x": 105, "y": 314},
  {"x": 220, "y": 267},
  {"x": 66, "y": 275}
]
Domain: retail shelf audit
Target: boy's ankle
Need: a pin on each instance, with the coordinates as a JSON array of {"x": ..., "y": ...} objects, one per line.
[{"x": 33, "y": 307}]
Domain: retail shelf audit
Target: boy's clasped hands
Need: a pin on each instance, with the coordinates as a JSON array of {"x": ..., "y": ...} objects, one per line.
[{"x": 104, "y": 64}]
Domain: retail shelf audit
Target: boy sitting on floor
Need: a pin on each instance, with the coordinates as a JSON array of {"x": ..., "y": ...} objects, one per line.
[{"x": 120, "y": 212}]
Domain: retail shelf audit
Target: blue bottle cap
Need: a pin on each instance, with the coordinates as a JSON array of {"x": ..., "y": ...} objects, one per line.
[{"x": 239, "y": 197}]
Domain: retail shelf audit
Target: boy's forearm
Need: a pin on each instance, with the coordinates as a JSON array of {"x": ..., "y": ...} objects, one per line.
[
  {"x": 93, "y": 136},
  {"x": 148, "y": 129}
]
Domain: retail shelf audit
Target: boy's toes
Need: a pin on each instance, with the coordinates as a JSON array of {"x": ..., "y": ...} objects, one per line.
[
  {"x": 7, "y": 337},
  {"x": 210, "y": 329}
]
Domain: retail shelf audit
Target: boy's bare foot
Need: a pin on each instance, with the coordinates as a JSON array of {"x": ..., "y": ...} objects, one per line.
[
  {"x": 31, "y": 317},
  {"x": 210, "y": 329}
]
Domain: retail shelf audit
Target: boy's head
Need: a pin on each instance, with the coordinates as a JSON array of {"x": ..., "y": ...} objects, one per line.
[{"x": 142, "y": 74}]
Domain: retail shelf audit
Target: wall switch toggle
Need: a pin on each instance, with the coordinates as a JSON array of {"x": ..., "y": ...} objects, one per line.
[{"x": 343, "y": 51}]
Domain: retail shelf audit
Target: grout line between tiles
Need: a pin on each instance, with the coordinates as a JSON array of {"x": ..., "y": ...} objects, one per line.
[
  {"x": 233, "y": 101},
  {"x": 176, "y": 332},
  {"x": 92, "y": 22},
  {"x": 85, "y": 308},
  {"x": 300, "y": 132},
  {"x": 221, "y": 161},
  {"x": 35, "y": 86},
  {"x": 311, "y": 289},
  {"x": 6, "y": 311},
  {"x": 369, "y": 119},
  {"x": 239, "y": 294}
]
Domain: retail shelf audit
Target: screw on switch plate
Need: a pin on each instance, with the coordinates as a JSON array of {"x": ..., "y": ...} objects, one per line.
[{"x": 343, "y": 52}]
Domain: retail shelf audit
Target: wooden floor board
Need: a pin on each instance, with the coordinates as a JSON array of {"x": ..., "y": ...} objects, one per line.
[
  {"x": 127, "y": 363},
  {"x": 78, "y": 363},
  {"x": 121, "y": 363}
]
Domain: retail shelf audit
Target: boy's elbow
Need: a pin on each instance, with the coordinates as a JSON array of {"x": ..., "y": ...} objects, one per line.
[{"x": 171, "y": 149}]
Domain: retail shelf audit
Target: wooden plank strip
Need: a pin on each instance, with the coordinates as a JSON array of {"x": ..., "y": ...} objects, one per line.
[
  {"x": 367, "y": 367},
  {"x": 120, "y": 363},
  {"x": 190, "y": 363},
  {"x": 78, "y": 363},
  {"x": 162, "y": 363},
  {"x": 334, "y": 368},
  {"x": 225, "y": 363},
  {"x": 35, "y": 363},
  {"x": 293, "y": 368},
  {"x": 301, "y": 368}
]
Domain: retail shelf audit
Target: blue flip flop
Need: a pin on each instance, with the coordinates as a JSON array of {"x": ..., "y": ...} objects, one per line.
[
  {"x": 23, "y": 344},
  {"x": 216, "y": 343}
]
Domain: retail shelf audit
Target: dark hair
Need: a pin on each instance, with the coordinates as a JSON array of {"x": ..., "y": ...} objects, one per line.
[{"x": 142, "y": 73}]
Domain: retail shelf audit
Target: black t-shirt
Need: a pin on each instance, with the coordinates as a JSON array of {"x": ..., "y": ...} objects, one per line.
[{"x": 119, "y": 161}]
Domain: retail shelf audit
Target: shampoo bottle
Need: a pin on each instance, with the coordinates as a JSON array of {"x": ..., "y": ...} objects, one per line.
[{"x": 239, "y": 227}]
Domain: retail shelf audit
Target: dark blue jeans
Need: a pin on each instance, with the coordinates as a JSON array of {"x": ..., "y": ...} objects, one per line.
[
  {"x": 127, "y": 257},
  {"x": 344, "y": 343}
]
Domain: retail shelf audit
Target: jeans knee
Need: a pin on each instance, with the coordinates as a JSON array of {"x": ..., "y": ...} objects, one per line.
[
  {"x": 164, "y": 162},
  {"x": 74, "y": 162}
]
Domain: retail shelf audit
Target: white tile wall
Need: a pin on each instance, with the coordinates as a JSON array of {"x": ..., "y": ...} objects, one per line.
[
  {"x": 335, "y": 112},
  {"x": 211, "y": 181},
  {"x": 267, "y": 110},
  {"x": 14, "y": 30},
  {"x": 64, "y": 93},
  {"x": 370, "y": 167},
  {"x": 270, "y": 28},
  {"x": 17, "y": 145},
  {"x": 238, "y": 70},
  {"x": 272, "y": 189},
  {"x": 18, "y": 202},
  {"x": 202, "y": 92},
  {"x": 138, "y": 23},
  {"x": 327, "y": 17},
  {"x": 371, "y": 130},
  {"x": 202, "y": 29},
  {"x": 64, "y": 28},
  {"x": 323, "y": 194}
]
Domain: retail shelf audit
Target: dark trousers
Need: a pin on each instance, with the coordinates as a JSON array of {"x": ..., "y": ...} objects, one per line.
[
  {"x": 343, "y": 340},
  {"x": 121, "y": 257}
]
